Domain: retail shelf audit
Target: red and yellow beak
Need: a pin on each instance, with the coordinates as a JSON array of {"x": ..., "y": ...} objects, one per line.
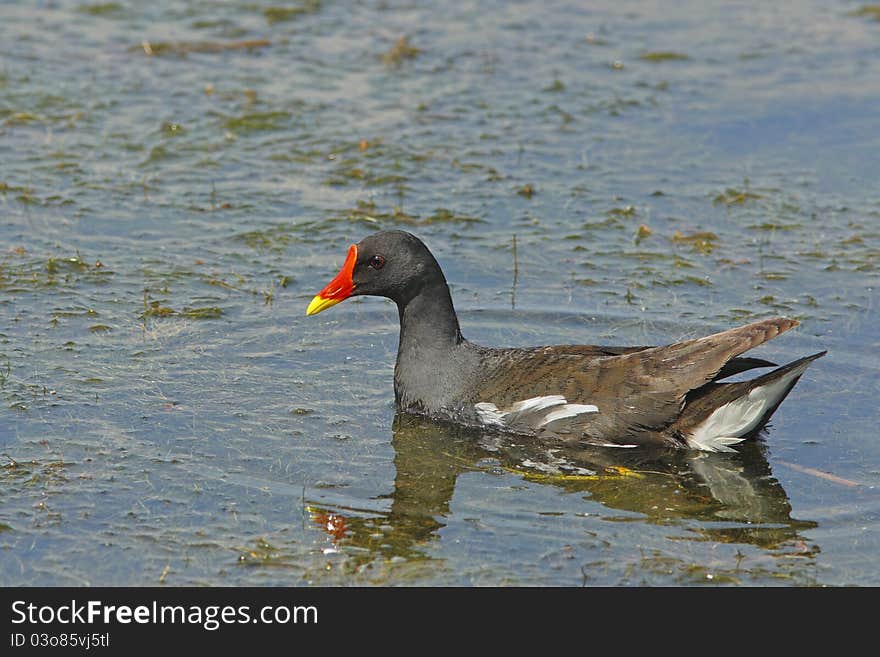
[{"x": 339, "y": 289}]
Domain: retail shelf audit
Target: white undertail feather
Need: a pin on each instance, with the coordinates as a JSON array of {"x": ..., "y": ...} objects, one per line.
[
  {"x": 489, "y": 413},
  {"x": 569, "y": 410},
  {"x": 728, "y": 424},
  {"x": 557, "y": 406},
  {"x": 536, "y": 403}
]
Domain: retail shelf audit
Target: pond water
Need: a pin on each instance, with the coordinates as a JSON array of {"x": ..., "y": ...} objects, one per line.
[{"x": 179, "y": 179}]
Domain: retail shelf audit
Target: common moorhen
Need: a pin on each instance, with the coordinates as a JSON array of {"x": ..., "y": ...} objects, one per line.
[{"x": 609, "y": 396}]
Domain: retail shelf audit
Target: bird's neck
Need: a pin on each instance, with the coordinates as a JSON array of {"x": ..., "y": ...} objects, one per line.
[
  {"x": 432, "y": 357},
  {"x": 428, "y": 320}
]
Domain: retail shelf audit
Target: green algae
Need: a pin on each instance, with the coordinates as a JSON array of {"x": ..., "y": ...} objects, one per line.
[
  {"x": 526, "y": 191},
  {"x": 183, "y": 48},
  {"x": 18, "y": 273},
  {"x": 867, "y": 11},
  {"x": 369, "y": 212},
  {"x": 207, "y": 312},
  {"x": 701, "y": 241},
  {"x": 732, "y": 196},
  {"x": 663, "y": 56},
  {"x": 282, "y": 14},
  {"x": 101, "y": 9},
  {"x": 624, "y": 212},
  {"x": 155, "y": 308},
  {"x": 257, "y": 121},
  {"x": 401, "y": 52}
]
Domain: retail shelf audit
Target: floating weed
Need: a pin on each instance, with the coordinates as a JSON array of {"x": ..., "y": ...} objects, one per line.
[
  {"x": 526, "y": 191},
  {"x": 76, "y": 263},
  {"x": 263, "y": 554},
  {"x": 218, "y": 282},
  {"x": 257, "y": 121},
  {"x": 771, "y": 226},
  {"x": 280, "y": 14},
  {"x": 20, "y": 118},
  {"x": 172, "y": 129},
  {"x": 400, "y": 52},
  {"x": 731, "y": 196},
  {"x": 492, "y": 174},
  {"x": 663, "y": 56},
  {"x": 368, "y": 212},
  {"x": 208, "y": 312},
  {"x": 347, "y": 174},
  {"x": 617, "y": 106},
  {"x": 680, "y": 263},
  {"x": 867, "y": 11},
  {"x": 691, "y": 280},
  {"x": 273, "y": 238},
  {"x": 773, "y": 275},
  {"x": 642, "y": 232},
  {"x": 701, "y": 242},
  {"x": 299, "y": 155},
  {"x": 51, "y": 272},
  {"x": 738, "y": 314},
  {"x": 156, "y": 309},
  {"x": 101, "y": 8},
  {"x": 625, "y": 211},
  {"x": 663, "y": 85},
  {"x": 772, "y": 302},
  {"x": 81, "y": 311},
  {"x": 34, "y": 471},
  {"x": 610, "y": 221},
  {"x": 160, "y": 48},
  {"x": 555, "y": 87},
  {"x": 442, "y": 215}
]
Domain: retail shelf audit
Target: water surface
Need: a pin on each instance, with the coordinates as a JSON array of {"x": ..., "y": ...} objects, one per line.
[{"x": 179, "y": 179}]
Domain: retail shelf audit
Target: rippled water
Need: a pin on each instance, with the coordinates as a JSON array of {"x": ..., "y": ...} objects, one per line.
[{"x": 179, "y": 179}]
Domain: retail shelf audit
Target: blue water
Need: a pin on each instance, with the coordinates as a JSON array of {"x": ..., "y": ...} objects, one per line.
[{"x": 179, "y": 179}]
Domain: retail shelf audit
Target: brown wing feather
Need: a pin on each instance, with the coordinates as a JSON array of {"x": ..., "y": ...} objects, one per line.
[{"x": 642, "y": 390}]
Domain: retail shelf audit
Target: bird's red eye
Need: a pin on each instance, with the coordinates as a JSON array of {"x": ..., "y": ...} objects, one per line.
[{"x": 377, "y": 262}]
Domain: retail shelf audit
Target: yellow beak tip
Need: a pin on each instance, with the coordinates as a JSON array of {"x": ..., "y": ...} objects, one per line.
[{"x": 320, "y": 303}]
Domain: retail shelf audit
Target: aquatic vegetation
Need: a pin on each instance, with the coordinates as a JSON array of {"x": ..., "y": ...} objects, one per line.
[
  {"x": 526, "y": 191},
  {"x": 663, "y": 56},
  {"x": 626, "y": 211},
  {"x": 183, "y": 48},
  {"x": 400, "y": 52},
  {"x": 223, "y": 165},
  {"x": 257, "y": 121},
  {"x": 867, "y": 11},
  {"x": 732, "y": 196},
  {"x": 280, "y": 14},
  {"x": 17, "y": 274},
  {"x": 642, "y": 232},
  {"x": 154, "y": 308},
  {"x": 701, "y": 241},
  {"x": 369, "y": 212},
  {"x": 101, "y": 8}
]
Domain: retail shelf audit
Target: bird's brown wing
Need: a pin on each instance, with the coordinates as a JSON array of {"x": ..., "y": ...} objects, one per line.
[{"x": 636, "y": 393}]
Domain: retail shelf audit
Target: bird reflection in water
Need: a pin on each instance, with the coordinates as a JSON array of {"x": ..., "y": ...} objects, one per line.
[{"x": 733, "y": 496}]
